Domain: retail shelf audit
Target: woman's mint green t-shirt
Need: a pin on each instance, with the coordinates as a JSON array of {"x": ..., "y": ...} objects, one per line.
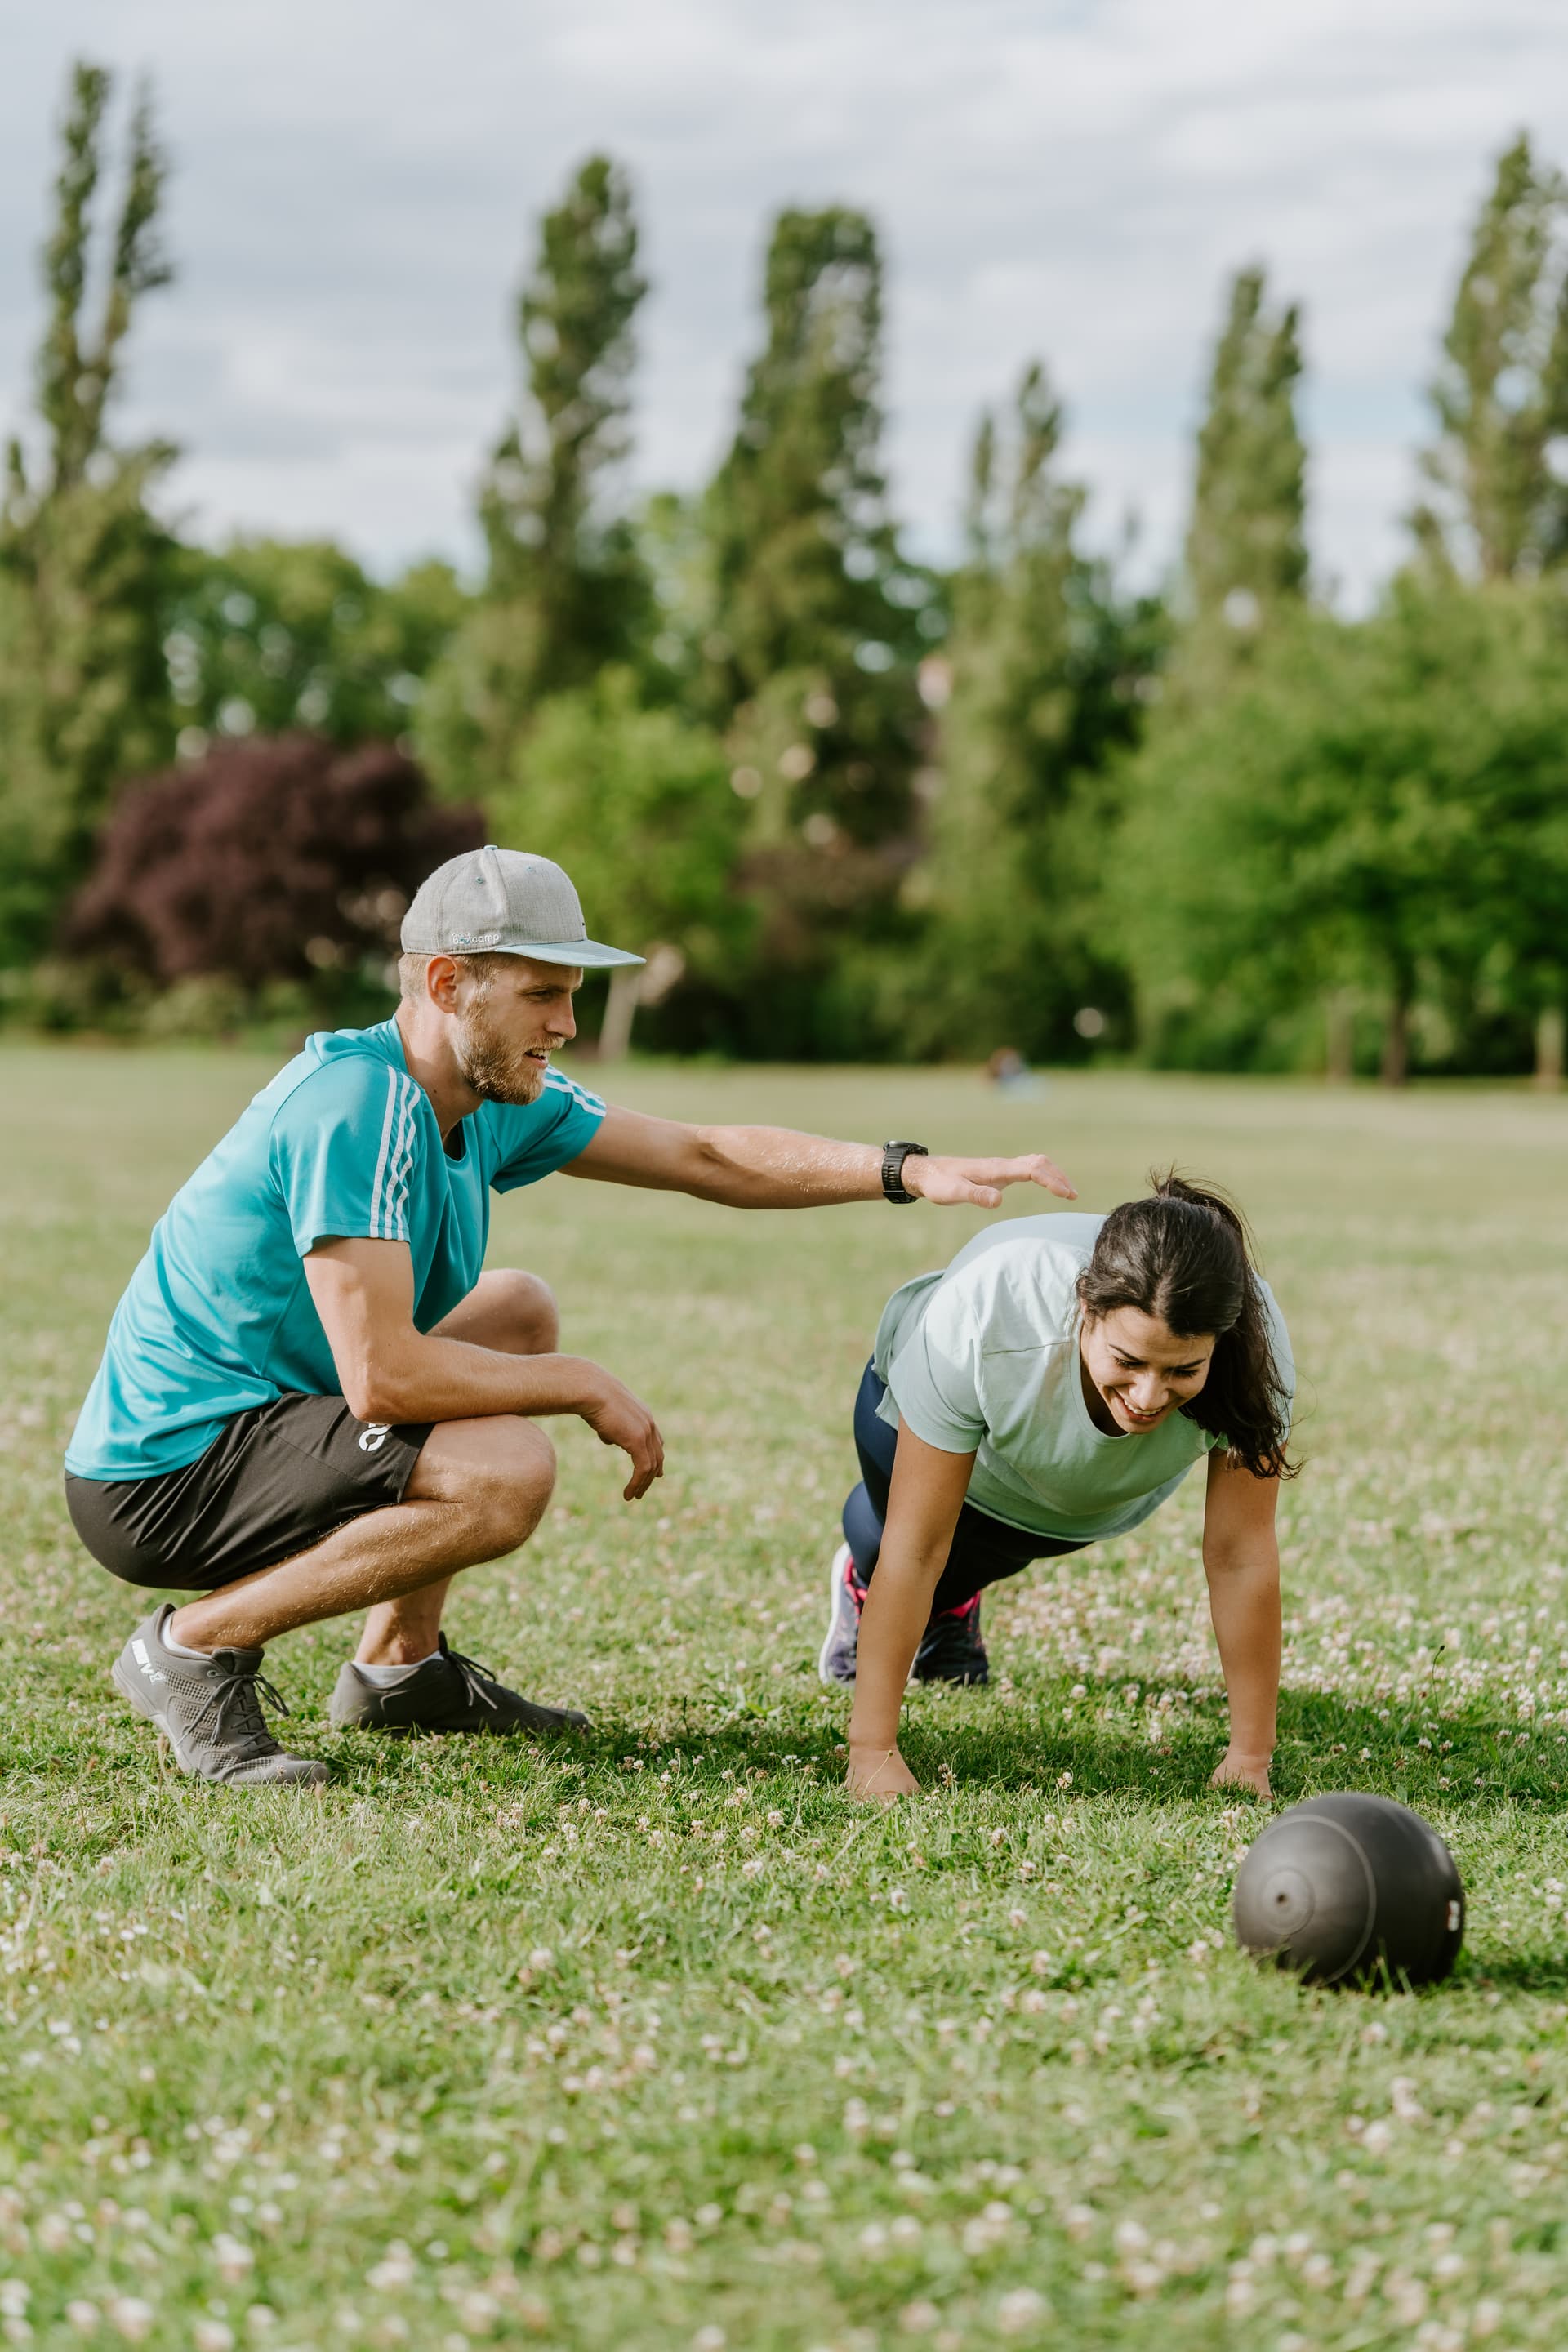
[{"x": 983, "y": 1358}]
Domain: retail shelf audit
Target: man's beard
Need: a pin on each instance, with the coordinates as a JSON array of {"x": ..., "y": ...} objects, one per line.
[{"x": 497, "y": 1070}]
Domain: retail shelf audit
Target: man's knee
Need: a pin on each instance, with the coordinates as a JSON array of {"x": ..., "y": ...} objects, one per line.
[
  {"x": 511, "y": 1491},
  {"x": 528, "y": 1306},
  {"x": 499, "y": 1472}
]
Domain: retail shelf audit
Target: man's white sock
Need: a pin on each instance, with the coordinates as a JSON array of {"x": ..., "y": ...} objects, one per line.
[
  {"x": 179, "y": 1648},
  {"x": 394, "y": 1674}
]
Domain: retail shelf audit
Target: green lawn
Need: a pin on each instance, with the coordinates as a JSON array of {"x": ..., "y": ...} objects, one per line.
[{"x": 653, "y": 2042}]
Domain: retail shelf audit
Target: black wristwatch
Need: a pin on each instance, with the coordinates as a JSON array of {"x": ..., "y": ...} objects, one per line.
[{"x": 893, "y": 1158}]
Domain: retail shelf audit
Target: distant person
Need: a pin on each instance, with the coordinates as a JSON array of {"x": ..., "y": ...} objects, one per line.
[
  {"x": 1010, "y": 1073},
  {"x": 313, "y": 1401},
  {"x": 1049, "y": 1390}
]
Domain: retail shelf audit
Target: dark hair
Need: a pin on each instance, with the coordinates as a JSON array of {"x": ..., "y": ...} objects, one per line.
[{"x": 1185, "y": 1255}]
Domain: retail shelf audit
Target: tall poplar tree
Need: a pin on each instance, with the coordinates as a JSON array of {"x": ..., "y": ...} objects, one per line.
[
  {"x": 1501, "y": 396},
  {"x": 818, "y": 620},
  {"x": 84, "y": 695},
  {"x": 1046, "y": 661},
  {"x": 565, "y": 592},
  {"x": 1247, "y": 551}
]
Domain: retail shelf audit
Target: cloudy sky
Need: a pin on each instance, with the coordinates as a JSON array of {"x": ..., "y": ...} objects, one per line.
[{"x": 355, "y": 186}]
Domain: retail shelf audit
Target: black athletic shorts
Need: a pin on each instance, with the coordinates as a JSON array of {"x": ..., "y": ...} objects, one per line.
[{"x": 277, "y": 1480}]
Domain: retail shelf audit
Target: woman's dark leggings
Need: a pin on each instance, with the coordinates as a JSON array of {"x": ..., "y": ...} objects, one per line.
[{"x": 984, "y": 1550}]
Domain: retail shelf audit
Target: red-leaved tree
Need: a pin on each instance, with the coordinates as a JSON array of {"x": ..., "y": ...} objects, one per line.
[{"x": 265, "y": 860}]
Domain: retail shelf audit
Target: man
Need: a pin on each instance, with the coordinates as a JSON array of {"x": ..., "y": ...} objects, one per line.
[{"x": 313, "y": 1401}]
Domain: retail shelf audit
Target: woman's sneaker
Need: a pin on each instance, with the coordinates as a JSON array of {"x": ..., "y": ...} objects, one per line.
[
  {"x": 209, "y": 1709},
  {"x": 846, "y": 1599},
  {"x": 951, "y": 1648}
]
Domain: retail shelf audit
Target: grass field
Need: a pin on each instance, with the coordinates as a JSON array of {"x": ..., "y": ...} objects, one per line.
[{"x": 653, "y": 2042}]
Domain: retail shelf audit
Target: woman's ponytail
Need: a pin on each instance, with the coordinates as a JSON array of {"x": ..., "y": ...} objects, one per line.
[{"x": 1184, "y": 1255}]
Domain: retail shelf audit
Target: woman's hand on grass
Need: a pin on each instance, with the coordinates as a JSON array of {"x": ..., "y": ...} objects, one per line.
[
  {"x": 877, "y": 1775},
  {"x": 1237, "y": 1770}
]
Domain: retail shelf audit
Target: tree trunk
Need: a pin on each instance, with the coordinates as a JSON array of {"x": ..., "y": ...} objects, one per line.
[
  {"x": 1395, "y": 1066},
  {"x": 620, "y": 1011},
  {"x": 1549, "y": 1041},
  {"x": 1340, "y": 1018}
]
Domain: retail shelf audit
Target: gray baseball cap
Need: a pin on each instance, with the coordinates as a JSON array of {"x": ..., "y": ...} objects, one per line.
[{"x": 495, "y": 901}]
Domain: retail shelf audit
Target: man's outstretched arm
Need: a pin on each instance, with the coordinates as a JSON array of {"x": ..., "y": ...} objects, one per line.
[{"x": 778, "y": 1168}]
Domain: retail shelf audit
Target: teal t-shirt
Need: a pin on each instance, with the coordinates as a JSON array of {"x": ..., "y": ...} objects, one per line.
[
  {"x": 218, "y": 1316},
  {"x": 983, "y": 1360}
]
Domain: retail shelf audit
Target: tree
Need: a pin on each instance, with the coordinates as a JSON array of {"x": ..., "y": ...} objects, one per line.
[
  {"x": 266, "y": 634},
  {"x": 1501, "y": 396},
  {"x": 1380, "y": 806},
  {"x": 636, "y": 803},
  {"x": 564, "y": 592},
  {"x": 1047, "y": 660},
  {"x": 1246, "y": 552},
  {"x": 83, "y": 691},
  {"x": 820, "y": 622},
  {"x": 279, "y": 858}
]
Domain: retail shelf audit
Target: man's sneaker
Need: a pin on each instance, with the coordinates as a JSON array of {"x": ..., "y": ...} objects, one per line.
[
  {"x": 951, "y": 1648},
  {"x": 846, "y": 1599},
  {"x": 209, "y": 1709},
  {"x": 446, "y": 1693}
]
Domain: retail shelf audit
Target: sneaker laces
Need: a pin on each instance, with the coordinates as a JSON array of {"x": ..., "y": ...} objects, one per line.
[
  {"x": 479, "y": 1682},
  {"x": 243, "y": 1688}
]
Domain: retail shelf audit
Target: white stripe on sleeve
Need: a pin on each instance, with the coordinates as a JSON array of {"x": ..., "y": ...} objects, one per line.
[
  {"x": 385, "y": 1140},
  {"x": 397, "y": 1185},
  {"x": 558, "y": 1081}
]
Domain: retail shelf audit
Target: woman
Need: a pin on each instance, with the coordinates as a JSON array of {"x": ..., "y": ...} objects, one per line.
[{"x": 1050, "y": 1389}]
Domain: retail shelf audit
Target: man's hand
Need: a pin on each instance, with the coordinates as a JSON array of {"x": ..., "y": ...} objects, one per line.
[
  {"x": 1236, "y": 1770},
  {"x": 951, "y": 1181},
  {"x": 878, "y": 1775},
  {"x": 618, "y": 1418}
]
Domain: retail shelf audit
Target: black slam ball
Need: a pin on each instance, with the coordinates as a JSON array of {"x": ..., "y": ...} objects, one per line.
[{"x": 1346, "y": 1887}]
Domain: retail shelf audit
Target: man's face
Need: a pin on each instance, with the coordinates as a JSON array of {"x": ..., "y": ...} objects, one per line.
[{"x": 508, "y": 1023}]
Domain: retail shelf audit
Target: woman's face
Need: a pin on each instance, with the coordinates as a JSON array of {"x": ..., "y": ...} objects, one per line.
[{"x": 1137, "y": 1373}]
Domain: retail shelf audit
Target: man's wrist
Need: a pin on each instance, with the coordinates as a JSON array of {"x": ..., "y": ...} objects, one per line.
[{"x": 898, "y": 1158}]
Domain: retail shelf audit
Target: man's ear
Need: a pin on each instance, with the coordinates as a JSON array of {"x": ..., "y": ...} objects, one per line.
[{"x": 441, "y": 979}]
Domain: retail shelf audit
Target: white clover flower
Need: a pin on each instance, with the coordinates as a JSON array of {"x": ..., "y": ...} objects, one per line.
[{"x": 394, "y": 2272}]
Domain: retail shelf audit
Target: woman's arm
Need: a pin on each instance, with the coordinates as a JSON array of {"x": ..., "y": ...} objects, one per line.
[
  {"x": 925, "y": 1498},
  {"x": 1241, "y": 1562}
]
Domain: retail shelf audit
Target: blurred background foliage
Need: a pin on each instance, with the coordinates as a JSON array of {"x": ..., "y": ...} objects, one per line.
[{"x": 850, "y": 805}]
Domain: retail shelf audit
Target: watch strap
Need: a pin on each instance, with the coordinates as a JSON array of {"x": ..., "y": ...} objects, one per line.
[{"x": 893, "y": 1158}]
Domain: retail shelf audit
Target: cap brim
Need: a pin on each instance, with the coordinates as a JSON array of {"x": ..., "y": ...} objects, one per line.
[{"x": 589, "y": 955}]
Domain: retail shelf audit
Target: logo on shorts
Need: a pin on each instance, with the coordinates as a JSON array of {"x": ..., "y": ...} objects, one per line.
[{"x": 374, "y": 1436}]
